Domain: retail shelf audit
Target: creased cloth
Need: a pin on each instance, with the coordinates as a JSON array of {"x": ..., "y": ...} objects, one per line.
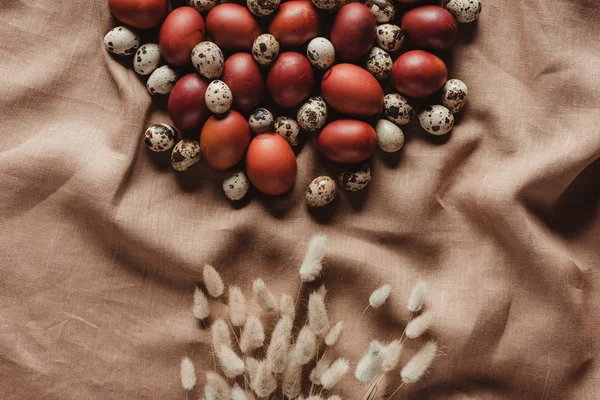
[{"x": 101, "y": 243}]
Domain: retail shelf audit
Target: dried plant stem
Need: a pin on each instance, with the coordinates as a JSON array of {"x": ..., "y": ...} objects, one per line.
[
  {"x": 402, "y": 338},
  {"x": 363, "y": 313},
  {"x": 372, "y": 388},
  {"x": 395, "y": 391}
]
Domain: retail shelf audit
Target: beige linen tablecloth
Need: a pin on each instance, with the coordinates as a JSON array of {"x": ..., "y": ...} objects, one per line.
[{"x": 101, "y": 243}]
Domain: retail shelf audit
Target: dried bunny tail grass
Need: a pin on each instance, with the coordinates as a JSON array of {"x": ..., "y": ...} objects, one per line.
[
  {"x": 418, "y": 326},
  {"x": 287, "y": 306},
  {"x": 314, "y": 397},
  {"x": 253, "y": 335},
  {"x": 277, "y": 352},
  {"x": 313, "y": 259},
  {"x": 201, "y": 308},
  {"x": 306, "y": 345},
  {"x": 415, "y": 301},
  {"x": 216, "y": 387},
  {"x": 220, "y": 334},
  {"x": 370, "y": 365},
  {"x": 318, "y": 320},
  {"x": 251, "y": 366},
  {"x": 391, "y": 355},
  {"x": 237, "y": 393},
  {"x": 334, "y": 334},
  {"x": 334, "y": 397},
  {"x": 265, "y": 299},
  {"x": 292, "y": 378},
  {"x": 317, "y": 372},
  {"x": 212, "y": 280},
  {"x": 188, "y": 374},
  {"x": 380, "y": 295},
  {"x": 231, "y": 364},
  {"x": 335, "y": 373},
  {"x": 379, "y": 388},
  {"x": 237, "y": 306},
  {"x": 419, "y": 363},
  {"x": 264, "y": 382}
]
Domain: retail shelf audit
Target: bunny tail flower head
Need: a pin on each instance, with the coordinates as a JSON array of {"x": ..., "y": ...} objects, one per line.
[
  {"x": 313, "y": 259},
  {"x": 371, "y": 364},
  {"x": 334, "y": 334},
  {"x": 216, "y": 387},
  {"x": 416, "y": 367},
  {"x": 253, "y": 335},
  {"x": 391, "y": 355},
  {"x": 306, "y": 346},
  {"x": 188, "y": 374},
  {"x": 277, "y": 352},
  {"x": 231, "y": 364},
  {"x": 251, "y": 366},
  {"x": 334, "y": 373},
  {"x": 201, "y": 309},
  {"x": 415, "y": 301},
  {"x": 287, "y": 306},
  {"x": 237, "y": 393},
  {"x": 379, "y": 296},
  {"x": 322, "y": 365},
  {"x": 265, "y": 299},
  {"x": 264, "y": 382},
  {"x": 292, "y": 378},
  {"x": 212, "y": 281},
  {"x": 318, "y": 319},
  {"x": 220, "y": 334},
  {"x": 237, "y": 306},
  {"x": 418, "y": 326}
]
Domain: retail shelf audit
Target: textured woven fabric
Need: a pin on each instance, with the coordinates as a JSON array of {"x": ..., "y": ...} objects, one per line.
[{"x": 102, "y": 243}]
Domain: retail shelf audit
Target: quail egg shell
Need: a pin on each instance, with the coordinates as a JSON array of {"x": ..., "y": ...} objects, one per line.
[
  {"x": 326, "y": 4},
  {"x": 356, "y": 176},
  {"x": 288, "y": 129},
  {"x": 379, "y": 63},
  {"x": 146, "y": 59},
  {"x": 260, "y": 121},
  {"x": 397, "y": 109},
  {"x": 202, "y": 5},
  {"x": 321, "y": 53},
  {"x": 185, "y": 154},
  {"x": 390, "y": 37},
  {"x": 385, "y": 14},
  {"x": 321, "y": 191},
  {"x": 464, "y": 11},
  {"x": 236, "y": 185},
  {"x": 121, "y": 41},
  {"x": 455, "y": 95},
  {"x": 390, "y": 137},
  {"x": 262, "y": 8},
  {"x": 312, "y": 114},
  {"x": 218, "y": 97},
  {"x": 436, "y": 119},
  {"x": 160, "y": 137},
  {"x": 265, "y": 49},
  {"x": 208, "y": 60},
  {"x": 161, "y": 81}
]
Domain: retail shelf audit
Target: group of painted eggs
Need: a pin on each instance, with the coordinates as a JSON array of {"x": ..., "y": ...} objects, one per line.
[{"x": 322, "y": 65}]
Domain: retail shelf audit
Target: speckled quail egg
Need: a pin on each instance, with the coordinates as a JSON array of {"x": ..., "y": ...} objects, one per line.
[
  {"x": 464, "y": 11},
  {"x": 326, "y": 4},
  {"x": 312, "y": 114},
  {"x": 287, "y": 128},
  {"x": 262, "y": 8},
  {"x": 436, "y": 119},
  {"x": 146, "y": 59},
  {"x": 265, "y": 49},
  {"x": 160, "y": 137},
  {"x": 236, "y": 185},
  {"x": 202, "y": 5},
  {"x": 390, "y": 37},
  {"x": 379, "y": 63},
  {"x": 321, "y": 191},
  {"x": 208, "y": 60},
  {"x": 397, "y": 109},
  {"x": 218, "y": 97},
  {"x": 385, "y": 14},
  {"x": 390, "y": 137},
  {"x": 121, "y": 41},
  {"x": 455, "y": 95},
  {"x": 321, "y": 53},
  {"x": 185, "y": 154},
  {"x": 161, "y": 81},
  {"x": 260, "y": 121},
  {"x": 356, "y": 176}
]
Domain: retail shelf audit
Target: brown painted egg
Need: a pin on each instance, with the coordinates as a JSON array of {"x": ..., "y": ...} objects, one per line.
[
  {"x": 418, "y": 73},
  {"x": 290, "y": 80},
  {"x": 271, "y": 164},
  {"x": 353, "y": 31},
  {"x": 232, "y": 27},
  {"x": 347, "y": 141},
  {"x": 295, "y": 23},
  {"x": 430, "y": 27},
  {"x": 182, "y": 30},
  {"x": 243, "y": 77},
  {"x": 224, "y": 139},
  {"x": 352, "y": 90}
]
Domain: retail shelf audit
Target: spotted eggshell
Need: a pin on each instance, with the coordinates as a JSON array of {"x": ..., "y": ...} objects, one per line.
[
  {"x": 218, "y": 97},
  {"x": 260, "y": 121},
  {"x": 313, "y": 114},
  {"x": 326, "y": 4},
  {"x": 121, "y": 41},
  {"x": 356, "y": 176},
  {"x": 397, "y": 109},
  {"x": 385, "y": 14},
  {"x": 161, "y": 81},
  {"x": 208, "y": 60},
  {"x": 390, "y": 137},
  {"x": 185, "y": 154},
  {"x": 464, "y": 11},
  {"x": 321, "y": 53},
  {"x": 236, "y": 185},
  {"x": 390, "y": 37},
  {"x": 265, "y": 49},
  {"x": 288, "y": 129},
  {"x": 455, "y": 95},
  {"x": 160, "y": 137},
  {"x": 436, "y": 119},
  {"x": 262, "y": 8},
  {"x": 379, "y": 63},
  {"x": 146, "y": 59},
  {"x": 321, "y": 191},
  {"x": 202, "y": 5}
]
